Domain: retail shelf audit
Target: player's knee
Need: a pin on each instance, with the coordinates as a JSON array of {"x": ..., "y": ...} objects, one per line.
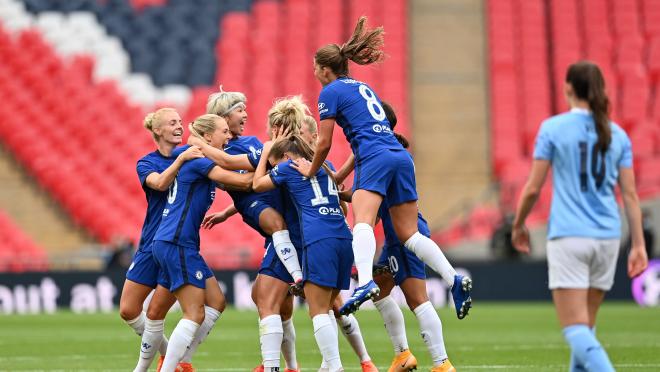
[
  {"x": 128, "y": 312},
  {"x": 196, "y": 314},
  {"x": 415, "y": 300},
  {"x": 219, "y": 303},
  {"x": 157, "y": 312}
]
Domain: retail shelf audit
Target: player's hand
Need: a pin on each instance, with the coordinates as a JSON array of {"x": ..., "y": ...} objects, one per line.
[
  {"x": 302, "y": 165},
  {"x": 192, "y": 152},
  {"x": 195, "y": 141},
  {"x": 520, "y": 239},
  {"x": 637, "y": 261},
  {"x": 213, "y": 219},
  {"x": 281, "y": 133}
]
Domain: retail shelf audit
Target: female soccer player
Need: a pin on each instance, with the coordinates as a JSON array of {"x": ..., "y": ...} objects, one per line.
[
  {"x": 348, "y": 324},
  {"x": 384, "y": 170},
  {"x": 327, "y": 254},
  {"x": 588, "y": 155},
  {"x": 176, "y": 243},
  {"x": 156, "y": 172},
  {"x": 407, "y": 273},
  {"x": 264, "y": 212}
]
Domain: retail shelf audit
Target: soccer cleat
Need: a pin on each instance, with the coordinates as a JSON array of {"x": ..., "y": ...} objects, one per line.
[
  {"x": 460, "y": 292},
  {"x": 445, "y": 366},
  {"x": 368, "y": 366},
  {"x": 259, "y": 368},
  {"x": 184, "y": 367},
  {"x": 160, "y": 363},
  {"x": 360, "y": 296},
  {"x": 297, "y": 289},
  {"x": 403, "y": 362}
]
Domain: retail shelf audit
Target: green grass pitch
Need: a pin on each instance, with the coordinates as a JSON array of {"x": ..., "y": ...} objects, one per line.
[{"x": 504, "y": 336}]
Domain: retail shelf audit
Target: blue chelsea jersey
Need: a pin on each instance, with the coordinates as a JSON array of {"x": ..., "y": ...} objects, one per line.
[
  {"x": 154, "y": 162},
  {"x": 388, "y": 227},
  {"x": 583, "y": 179},
  {"x": 358, "y": 111},
  {"x": 250, "y": 146},
  {"x": 316, "y": 200},
  {"x": 190, "y": 196}
]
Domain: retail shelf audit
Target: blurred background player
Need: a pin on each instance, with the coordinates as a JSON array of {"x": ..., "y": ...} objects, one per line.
[
  {"x": 156, "y": 172},
  {"x": 384, "y": 170},
  {"x": 588, "y": 155},
  {"x": 176, "y": 244}
]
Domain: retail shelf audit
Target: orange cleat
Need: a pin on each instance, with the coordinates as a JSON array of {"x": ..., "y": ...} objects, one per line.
[
  {"x": 444, "y": 367},
  {"x": 160, "y": 363},
  {"x": 404, "y": 362},
  {"x": 259, "y": 368},
  {"x": 184, "y": 367},
  {"x": 368, "y": 366}
]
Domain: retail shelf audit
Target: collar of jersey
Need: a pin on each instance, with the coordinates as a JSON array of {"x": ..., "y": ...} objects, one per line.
[{"x": 578, "y": 110}]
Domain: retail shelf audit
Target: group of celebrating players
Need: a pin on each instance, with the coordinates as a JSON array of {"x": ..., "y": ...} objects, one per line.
[{"x": 287, "y": 191}]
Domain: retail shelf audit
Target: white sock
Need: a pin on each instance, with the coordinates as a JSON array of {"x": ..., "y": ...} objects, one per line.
[
  {"x": 180, "y": 339},
  {"x": 326, "y": 339},
  {"x": 152, "y": 337},
  {"x": 287, "y": 253},
  {"x": 138, "y": 323},
  {"x": 364, "y": 249},
  {"x": 289, "y": 344},
  {"x": 270, "y": 337},
  {"x": 211, "y": 316},
  {"x": 429, "y": 252},
  {"x": 331, "y": 314},
  {"x": 430, "y": 328},
  {"x": 351, "y": 330},
  {"x": 394, "y": 323}
]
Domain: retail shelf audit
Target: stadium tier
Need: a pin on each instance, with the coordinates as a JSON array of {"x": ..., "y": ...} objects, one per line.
[
  {"x": 18, "y": 252},
  {"x": 78, "y": 77}
]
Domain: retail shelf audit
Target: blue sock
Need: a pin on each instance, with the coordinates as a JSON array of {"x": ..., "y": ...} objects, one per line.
[
  {"x": 575, "y": 366},
  {"x": 586, "y": 350}
]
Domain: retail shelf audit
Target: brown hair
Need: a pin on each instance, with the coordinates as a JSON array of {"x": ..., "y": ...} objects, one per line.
[
  {"x": 296, "y": 145},
  {"x": 589, "y": 85},
  {"x": 363, "y": 48},
  {"x": 391, "y": 117}
]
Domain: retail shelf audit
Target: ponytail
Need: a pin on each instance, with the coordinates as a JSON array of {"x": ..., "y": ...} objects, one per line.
[
  {"x": 203, "y": 125},
  {"x": 391, "y": 117},
  {"x": 288, "y": 113},
  {"x": 363, "y": 48},
  {"x": 589, "y": 85}
]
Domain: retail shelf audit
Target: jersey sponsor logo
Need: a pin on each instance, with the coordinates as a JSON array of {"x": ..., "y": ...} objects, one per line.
[
  {"x": 166, "y": 211},
  {"x": 322, "y": 108},
  {"x": 330, "y": 210},
  {"x": 132, "y": 266},
  {"x": 381, "y": 128},
  {"x": 199, "y": 275}
]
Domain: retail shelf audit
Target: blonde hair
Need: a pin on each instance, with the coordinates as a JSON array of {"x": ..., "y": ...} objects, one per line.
[
  {"x": 154, "y": 120},
  {"x": 222, "y": 103},
  {"x": 311, "y": 124},
  {"x": 288, "y": 113},
  {"x": 204, "y": 124}
]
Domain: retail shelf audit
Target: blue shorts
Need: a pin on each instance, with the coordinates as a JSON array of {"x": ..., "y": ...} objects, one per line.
[
  {"x": 144, "y": 269},
  {"x": 180, "y": 266},
  {"x": 251, "y": 215},
  {"x": 271, "y": 265},
  {"x": 328, "y": 263},
  {"x": 388, "y": 173},
  {"x": 402, "y": 262}
]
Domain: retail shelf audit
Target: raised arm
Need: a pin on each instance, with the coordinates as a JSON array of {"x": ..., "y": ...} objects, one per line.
[
  {"x": 162, "y": 181},
  {"x": 345, "y": 170},
  {"x": 637, "y": 258},
  {"x": 221, "y": 158},
  {"x": 262, "y": 181},
  {"x": 213, "y": 219},
  {"x": 323, "y": 145},
  {"x": 233, "y": 180},
  {"x": 530, "y": 193}
]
